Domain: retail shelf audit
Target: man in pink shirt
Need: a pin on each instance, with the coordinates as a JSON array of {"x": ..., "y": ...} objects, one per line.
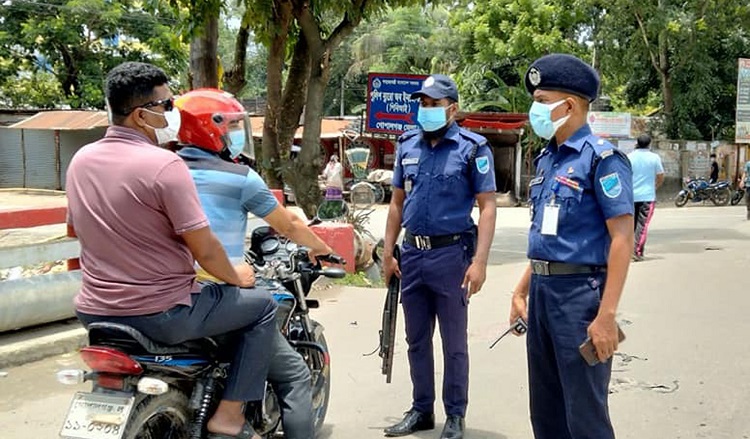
[{"x": 136, "y": 212}]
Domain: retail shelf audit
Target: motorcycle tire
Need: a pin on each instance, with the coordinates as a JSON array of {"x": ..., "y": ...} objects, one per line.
[
  {"x": 159, "y": 417},
  {"x": 737, "y": 196},
  {"x": 721, "y": 197},
  {"x": 320, "y": 411},
  {"x": 681, "y": 200}
]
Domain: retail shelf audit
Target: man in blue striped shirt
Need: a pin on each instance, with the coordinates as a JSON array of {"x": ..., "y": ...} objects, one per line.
[{"x": 212, "y": 130}]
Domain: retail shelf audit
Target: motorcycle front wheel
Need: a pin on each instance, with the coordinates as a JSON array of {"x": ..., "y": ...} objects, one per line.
[
  {"x": 159, "y": 417},
  {"x": 720, "y": 197},
  {"x": 682, "y": 199},
  {"x": 320, "y": 400}
]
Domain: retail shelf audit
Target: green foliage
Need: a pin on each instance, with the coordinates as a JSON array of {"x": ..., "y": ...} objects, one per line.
[{"x": 78, "y": 42}]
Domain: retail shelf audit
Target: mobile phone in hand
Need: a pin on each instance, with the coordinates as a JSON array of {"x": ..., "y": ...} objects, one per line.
[{"x": 588, "y": 351}]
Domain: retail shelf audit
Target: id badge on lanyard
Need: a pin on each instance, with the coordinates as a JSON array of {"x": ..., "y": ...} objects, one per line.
[{"x": 551, "y": 214}]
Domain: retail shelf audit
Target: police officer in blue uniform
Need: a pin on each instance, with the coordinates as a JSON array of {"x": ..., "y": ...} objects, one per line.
[
  {"x": 580, "y": 243},
  {"x": 439, "y": 172}
]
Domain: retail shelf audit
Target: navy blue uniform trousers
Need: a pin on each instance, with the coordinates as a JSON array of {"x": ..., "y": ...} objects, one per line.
[
  {"x": 430, "y": 289},
  {"x": 568, "y": 397},
  {"x": 218, "y": 310}
]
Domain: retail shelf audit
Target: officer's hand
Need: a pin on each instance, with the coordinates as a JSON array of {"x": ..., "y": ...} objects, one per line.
[
  {"x": 603, "y": 333},
  {"x": 518, "y": 308},
  {"x": 474, "y": 278},
  {"x": 246, "y": 274},
  {"x": 390, "y": 267}
]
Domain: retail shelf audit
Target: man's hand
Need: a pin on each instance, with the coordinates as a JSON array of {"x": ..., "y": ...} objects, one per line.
[
  {"x": 474, "y": 278},
  {"x": 390, "y": 267},
  {"x": 313, "y": 253},
  {"x": 246, "y": 275},
  {"x": 518, "y": 308},
  {"x": 603, "y": 333}
]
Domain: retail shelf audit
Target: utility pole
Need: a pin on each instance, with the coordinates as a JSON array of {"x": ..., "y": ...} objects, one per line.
[{"x": 342, "y": 97}]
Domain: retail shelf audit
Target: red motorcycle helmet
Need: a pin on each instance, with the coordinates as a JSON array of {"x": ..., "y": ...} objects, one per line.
[{"x": 207, "y": 114}]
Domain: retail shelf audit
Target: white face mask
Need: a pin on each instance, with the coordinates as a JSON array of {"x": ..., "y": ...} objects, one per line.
[{"x": 168, "y": 133}]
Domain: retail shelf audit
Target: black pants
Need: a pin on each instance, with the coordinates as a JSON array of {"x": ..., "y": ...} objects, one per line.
[
  {"x": 747, "y": 201},
  {"x": 644, "y": 211},
  {"x": 216, "y": 310}
]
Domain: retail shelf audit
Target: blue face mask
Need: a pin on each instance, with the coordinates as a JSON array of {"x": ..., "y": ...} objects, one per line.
[
  {"x": 236, "y": 142},
  {"x": 431, "y": 118},
  {"x": 540, "y": 116}
]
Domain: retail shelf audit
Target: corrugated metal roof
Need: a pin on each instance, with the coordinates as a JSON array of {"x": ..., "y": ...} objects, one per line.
[
  {"x": 330, "y": 128},
  {"x": 64, "y": 120}
]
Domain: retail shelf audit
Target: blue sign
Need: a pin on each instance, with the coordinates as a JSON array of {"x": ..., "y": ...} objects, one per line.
[{"x": 390, "y": 109}]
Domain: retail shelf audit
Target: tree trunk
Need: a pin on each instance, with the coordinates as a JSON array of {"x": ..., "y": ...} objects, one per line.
[
  {"x": 665, "y": 77},
  {"x": 270, "y": 163},
  {"x": 295, "y": 93},
  {"x": 310, "y": 163},
  {"x": 204, "y": 63},
  {"x": 234, "y": 78}
]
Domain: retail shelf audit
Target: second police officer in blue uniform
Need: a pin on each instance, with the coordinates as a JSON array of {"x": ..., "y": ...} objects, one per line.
[
  {"x": 580, "y": 243},
  {"x": 440, "y": 170}
]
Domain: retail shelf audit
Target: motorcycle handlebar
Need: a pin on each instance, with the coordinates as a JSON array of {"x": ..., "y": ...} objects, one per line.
[{"x": 332, "y": 258}]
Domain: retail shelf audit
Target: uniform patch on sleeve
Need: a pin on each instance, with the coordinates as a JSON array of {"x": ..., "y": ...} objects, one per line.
[
  {"x": 611, "y": 185},
  {"x": 483, "y": 164},
  {"x": 410, "y": 161},
  {"x": 607, "y": 153}
]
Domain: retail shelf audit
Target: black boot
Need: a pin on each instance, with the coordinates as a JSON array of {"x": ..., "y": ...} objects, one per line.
[
  {"x": 454, "y": 428},
  {"x": 413, "y": 421}
]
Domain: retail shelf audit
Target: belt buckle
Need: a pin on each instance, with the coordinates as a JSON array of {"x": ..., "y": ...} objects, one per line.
[
  {"x": 540, "y": 267},
  {"x": 423, "y": 242}
]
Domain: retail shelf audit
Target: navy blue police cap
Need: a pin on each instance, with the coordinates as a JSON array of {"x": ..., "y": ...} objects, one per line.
[
  {"x": 562, "y": 72},
  {"x": 437, "y": 87}
]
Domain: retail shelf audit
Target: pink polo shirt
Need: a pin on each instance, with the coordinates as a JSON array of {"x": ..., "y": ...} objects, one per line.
[{"x": 129, "y": 201}]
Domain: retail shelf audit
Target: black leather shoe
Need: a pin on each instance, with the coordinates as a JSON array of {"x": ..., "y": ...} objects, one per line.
[
  {"x": 454, "y": 428},
  {"x": 413, "y": 421}
]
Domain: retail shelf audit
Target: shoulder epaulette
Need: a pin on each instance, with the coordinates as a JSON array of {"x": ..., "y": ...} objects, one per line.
[
  {"x": 472, "y": 137},
  {"x": 408, "y": 135}
]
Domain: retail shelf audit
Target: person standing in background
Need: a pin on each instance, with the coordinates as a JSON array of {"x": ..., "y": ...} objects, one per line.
[
  {"x": 648, "y": 175},
  {"x": 714, "y": 177},
  {"x": 745, "y": 182}
]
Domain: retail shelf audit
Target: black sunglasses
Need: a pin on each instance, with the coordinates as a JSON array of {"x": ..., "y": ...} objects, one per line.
[{"x": 168, "y": 105}]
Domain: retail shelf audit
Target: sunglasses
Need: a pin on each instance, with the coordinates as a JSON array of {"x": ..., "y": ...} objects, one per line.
[{"x": 168, "y": 105}]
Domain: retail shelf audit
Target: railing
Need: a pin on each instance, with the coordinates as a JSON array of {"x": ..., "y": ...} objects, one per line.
[{"x": 42, "y": 298}]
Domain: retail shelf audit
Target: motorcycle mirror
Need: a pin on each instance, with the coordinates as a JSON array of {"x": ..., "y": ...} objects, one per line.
[{"x": 333, "y": 272}]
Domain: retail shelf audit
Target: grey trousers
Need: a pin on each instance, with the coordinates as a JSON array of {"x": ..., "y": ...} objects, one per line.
[
  {"x": 218, "y": 309},
  {"x": 290, "y": 379}
]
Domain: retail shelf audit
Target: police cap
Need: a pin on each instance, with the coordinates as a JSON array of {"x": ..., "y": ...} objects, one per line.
[
  {"x": 437, "y": 87},
  {"x": 562, "y": 72}
]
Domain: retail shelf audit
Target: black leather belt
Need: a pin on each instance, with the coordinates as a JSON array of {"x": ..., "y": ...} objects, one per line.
[
  {"x": 547, "y": 268},
  {"x": 431, "y": 242}
]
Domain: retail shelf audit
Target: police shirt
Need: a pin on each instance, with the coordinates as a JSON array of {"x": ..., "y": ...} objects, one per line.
[
  {"x": 591, "y": 182},
  {"x": 440, "y": 189}
]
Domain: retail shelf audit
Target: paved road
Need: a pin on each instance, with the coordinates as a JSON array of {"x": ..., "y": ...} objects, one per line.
[{"x": 682, "y": 373}]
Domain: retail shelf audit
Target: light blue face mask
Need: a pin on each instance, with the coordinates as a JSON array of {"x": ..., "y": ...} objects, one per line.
[
  {"x": 236, "y": 143},
  {"x": 540, "y": 116},
  {"x": 431, "y": 118}
]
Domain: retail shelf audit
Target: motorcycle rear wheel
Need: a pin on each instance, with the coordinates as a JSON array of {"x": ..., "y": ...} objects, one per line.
[
  {"x": 159, "y": 417},
  {"x": 681, "y": 200},
  {"x": 737, "y": 196},
  {"x": 721, "y": 197}
]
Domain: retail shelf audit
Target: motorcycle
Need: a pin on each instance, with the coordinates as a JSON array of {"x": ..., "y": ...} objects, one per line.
[
  {"x": 699, "y": 190},
  {"x": 737, "y": 196},
  {"x": 146, "y": 390}
]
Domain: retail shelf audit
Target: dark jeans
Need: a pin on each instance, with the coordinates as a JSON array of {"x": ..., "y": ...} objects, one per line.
[
  {"x": 644, "y": 211},
  {"x": 747, "y": 201},
  {"x": 290, "y": 379},
  {"x": 216, "y": 310}
]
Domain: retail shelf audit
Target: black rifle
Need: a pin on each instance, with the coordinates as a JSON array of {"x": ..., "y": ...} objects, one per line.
[{"x": 390, "y": 311}]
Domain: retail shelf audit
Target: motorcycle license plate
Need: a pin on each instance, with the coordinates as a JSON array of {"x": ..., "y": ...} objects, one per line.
[{"x": 97, "y": 416}]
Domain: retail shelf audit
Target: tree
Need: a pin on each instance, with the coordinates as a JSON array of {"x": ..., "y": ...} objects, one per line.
[
  {"x": 688, "y": 50},
  {"x": 79, "y": 41}
]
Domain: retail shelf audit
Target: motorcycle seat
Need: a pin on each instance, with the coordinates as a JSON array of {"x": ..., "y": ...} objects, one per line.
[{"x": 134, "y": 342}]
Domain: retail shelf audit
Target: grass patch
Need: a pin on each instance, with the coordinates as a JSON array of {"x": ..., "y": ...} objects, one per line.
[{"x": 359, "y": 279}]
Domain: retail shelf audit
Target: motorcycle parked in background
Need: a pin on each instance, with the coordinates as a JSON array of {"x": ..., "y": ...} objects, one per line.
[
  {"x": 699, "y": 190},
  {"x": 146, "y": 390}
]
